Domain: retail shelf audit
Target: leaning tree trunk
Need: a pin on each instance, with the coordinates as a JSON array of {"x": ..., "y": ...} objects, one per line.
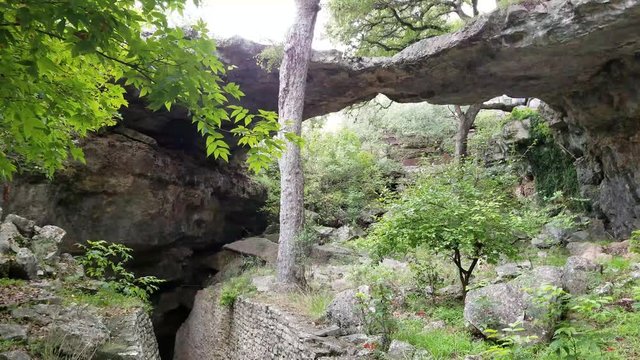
[{"x": 293, "y": 78}]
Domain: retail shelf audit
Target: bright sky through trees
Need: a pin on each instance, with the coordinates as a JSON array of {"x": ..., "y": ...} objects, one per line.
[{"x": 262, "y": 20}]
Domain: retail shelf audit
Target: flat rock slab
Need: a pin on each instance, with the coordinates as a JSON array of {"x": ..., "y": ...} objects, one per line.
[{"x": 262, "y": 248}]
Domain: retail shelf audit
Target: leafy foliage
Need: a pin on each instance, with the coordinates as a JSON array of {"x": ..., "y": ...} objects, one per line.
[
  {"x": 383, "y": 27},
  {"x": 234, "y": 288},
  {"x": 461, "y": 211},
  {"x": 634, "y": 242},
  {"x": 106, "y": 262},
  {"x": 66, "y": 65},
  {"x": 341, "y": 178}
]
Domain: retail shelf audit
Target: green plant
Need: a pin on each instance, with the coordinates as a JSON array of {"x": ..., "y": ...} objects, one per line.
[
  {"x": 234, "y": 288},
  {"x": 446, "y": 343},
  {"x": 106, "y": 262},
  {"x": 460, "y": 211},
  {"x": 634, "y": 242},
  {"x": 377, "y": 311},
  {"x": 111, "y": 47},
  {"x": 312, "y": 303},
  {"x": 508, "y": 341}
]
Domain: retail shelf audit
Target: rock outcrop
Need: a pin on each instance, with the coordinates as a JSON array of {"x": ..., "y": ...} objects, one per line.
[{"x": 582, "y": 57}]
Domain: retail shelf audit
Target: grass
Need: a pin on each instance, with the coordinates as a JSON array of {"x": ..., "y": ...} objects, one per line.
[
  {"x": 447, "y": 343},
  {"x": 103, "y": 298},
  {"x": 11, "y": 282},
  {"x": 311, "y": 303}
]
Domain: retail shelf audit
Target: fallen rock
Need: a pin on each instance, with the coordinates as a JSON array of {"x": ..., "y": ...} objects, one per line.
[
  {"x": 508, "y": 271},
  {"x": 25, "y": 266},
  {"x": 589, "y": 251},
  {"x": 330, "y": 252},
  {"x": 25, "y": 226},
  {"x": 46, "y": 241},
  {"x": 15, "y": 355},
  {"x": 347, "y": 309},
  {"x": 578, "y": 275},
  {"x": 400, "y": 350},
  {"x": 618, "y": 248},
  {"x": 13, "y": 332},
  {"x": 255, "y": 246},
  {"x": 8, "y": 234},
  {"x": 496, "y": 306},
  {"x": 332, "y": 330},
  {"x": 346, "y": 233},
  {"x": 78, "y": 336}
]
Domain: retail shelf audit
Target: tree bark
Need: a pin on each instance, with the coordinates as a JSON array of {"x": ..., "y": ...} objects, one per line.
[
  {"x": 293, "y": 78},
  {"x": 466, "y": 119}
]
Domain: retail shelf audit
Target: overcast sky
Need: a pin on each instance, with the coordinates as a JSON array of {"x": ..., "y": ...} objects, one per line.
[{"x": 262, "y": 20}]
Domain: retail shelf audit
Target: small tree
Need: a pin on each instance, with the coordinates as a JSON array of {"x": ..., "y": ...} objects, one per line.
[{"x": 461, "y": 211}]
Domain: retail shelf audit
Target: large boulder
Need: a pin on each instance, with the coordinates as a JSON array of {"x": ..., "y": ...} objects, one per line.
[
  {"x": 495, "y": 307},
  {"x": 347, "y": 309},
  {"x": 578, "y": 275}
]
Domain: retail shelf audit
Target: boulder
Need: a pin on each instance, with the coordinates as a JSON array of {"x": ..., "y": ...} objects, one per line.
[
  {"x": 331, "y": 252},
  {"x": 13, "y": 332},
  {"x": 79, "y": 336},
  {"x": 25, "y": 226},
  {"x": 15, "y": 355},
  {"x": 516, "y": 132},
  {"x": 508, "y": 271},
  {"x": 347, "y": 309},
  {"x": 46, "y": 241},
  {"x": 496, "y": 306},
  {"x": 577, "y": 275},
  {"x": 587, "y": 250},
  {"x": 26, "y": 265},
  {"x": 400, "y": 350},
  {"x": 551, "y": 235},
  {"x": 346, "y": 233},
  {"x": 8, "y": 235},
  {"x": 264, "y": 283},
  {"x": 261, "y": 248}
]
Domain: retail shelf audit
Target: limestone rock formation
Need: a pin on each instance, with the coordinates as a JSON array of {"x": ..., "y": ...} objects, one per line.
[{"x": 580, "y": 56}]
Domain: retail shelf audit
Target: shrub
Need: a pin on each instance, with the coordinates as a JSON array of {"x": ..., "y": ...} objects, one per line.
[
  {"x": 234, "y": 288},
  {"x": 106, "y": 262},
  {"x": 634, "y": 242},
  {"x": 461, "y": 211}
]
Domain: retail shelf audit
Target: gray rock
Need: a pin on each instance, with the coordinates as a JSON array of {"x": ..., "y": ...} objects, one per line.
[
  {"x": 579, "y": 236},
  {"x": 422, "y": 354},
  {"x": 587, "y": 250},
  {"x": 332, "y": 330},
  {"x": 78, "y": 336},
  {"x": 604, "y": 289},
  {"x": 451, "y": 291},
  {"x": 8, "y": 234},
  {"x": 25, "y": 226},
  {"x": 346, "y": 233},
  {"x": 324, "y": 232},
  {"x": 516, "y": 132},
  {"x": 435, "y": 325},
  {"x": 508, "y": 271},
  {"x": 498, "y": 305},
  {"x": 551, "y": 235},
  {"x": 347, "y": 309},
  {"x": 15, "y": 355},
  {"x": 46, "y": 241},
  {"x": 358, "y": 338},
  {"x": 13, "y": 332},
  {"x": 255, "y": 246},
  {"x": 330, "y": 252},
  {"x": 578, "y": 274},
  {"x": 26, "y": 264},
  {"x": 399, "y": 350}
]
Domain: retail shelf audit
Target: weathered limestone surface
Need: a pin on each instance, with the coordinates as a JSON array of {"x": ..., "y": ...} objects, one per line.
[
  {"x": 250, "y": 330},
  {"x": 582, "y": 57}
]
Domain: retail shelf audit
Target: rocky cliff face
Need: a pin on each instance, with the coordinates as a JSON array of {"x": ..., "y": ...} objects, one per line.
[
  {"x": 148, "y": 185},
  {"x": 580, "y": 56}
]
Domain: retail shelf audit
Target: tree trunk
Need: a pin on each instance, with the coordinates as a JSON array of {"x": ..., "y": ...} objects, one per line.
[
  {"x": 465, "y": 122},
  {"x": 293, "y": 78}
]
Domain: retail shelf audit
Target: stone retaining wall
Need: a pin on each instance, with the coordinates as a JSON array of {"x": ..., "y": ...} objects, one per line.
[{"x": 247, "y": 331}]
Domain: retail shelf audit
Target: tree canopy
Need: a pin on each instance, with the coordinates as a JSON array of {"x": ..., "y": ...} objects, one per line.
[
  {"x": 65, "y": 66},
  {"x": 384, "y": 27}
]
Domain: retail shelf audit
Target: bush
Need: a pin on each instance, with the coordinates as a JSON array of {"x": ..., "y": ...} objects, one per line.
[
  {"x": 461, "y": 211},
  {"x": 106, "y": 262},
  {"x": 634, "y": 242},
  {"x": 234, "y": 288},
  {"x": 341, "y": 178}
]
